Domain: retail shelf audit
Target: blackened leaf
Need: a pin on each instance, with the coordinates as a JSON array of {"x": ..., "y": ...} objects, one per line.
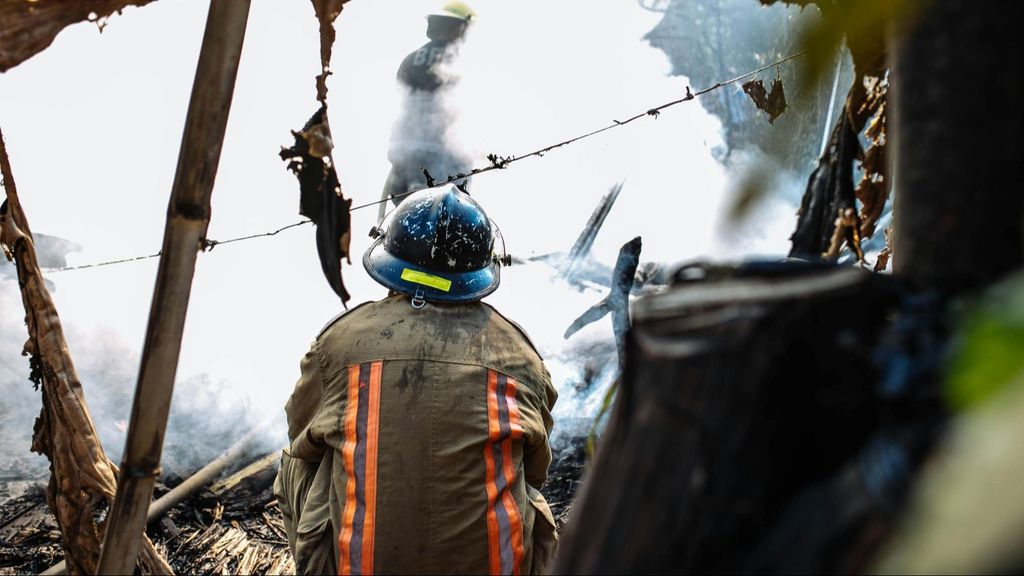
[
  {"x": 320, "y": 196},
  {"x": 757, "y": 92},
  {"x": 772, "y": 103},
  {"x": 829, "y": 193},
  {"x": 776, "y": 100}
]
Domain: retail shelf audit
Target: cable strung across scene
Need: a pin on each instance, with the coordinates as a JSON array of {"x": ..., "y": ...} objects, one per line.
[{"x": 496, "y": 163}]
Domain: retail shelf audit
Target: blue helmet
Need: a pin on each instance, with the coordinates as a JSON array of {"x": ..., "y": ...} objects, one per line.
[{"x": 438, "y": 246}]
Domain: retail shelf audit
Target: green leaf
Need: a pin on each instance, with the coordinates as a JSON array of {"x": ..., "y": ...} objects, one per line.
[{"x": 990, "y": 353}]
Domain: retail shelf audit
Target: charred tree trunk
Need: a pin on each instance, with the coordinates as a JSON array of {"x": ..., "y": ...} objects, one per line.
[
  {"x": 959, "y": 121},
  {"x": 734, "y": 442}
]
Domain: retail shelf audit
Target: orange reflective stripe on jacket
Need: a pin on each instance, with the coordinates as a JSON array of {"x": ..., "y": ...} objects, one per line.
[
  {"x": 359, "y": 454},
  {"x": 504, "y": 527}
]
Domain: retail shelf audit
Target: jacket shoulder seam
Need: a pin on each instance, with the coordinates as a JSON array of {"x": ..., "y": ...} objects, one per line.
[
  {"x": 520, "y": 329},
  {"x": 338, "y": 317}
]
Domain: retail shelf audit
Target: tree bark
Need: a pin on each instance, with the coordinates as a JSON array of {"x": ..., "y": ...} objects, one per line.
[
  {"x": 737, "y": 396},
  {"x": 959, "y": 204}
]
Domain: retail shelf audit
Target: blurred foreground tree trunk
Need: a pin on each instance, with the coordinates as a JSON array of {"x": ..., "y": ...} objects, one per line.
[
  {"x": 959, "y": 121},
  {"x": 775, "y": 420}
]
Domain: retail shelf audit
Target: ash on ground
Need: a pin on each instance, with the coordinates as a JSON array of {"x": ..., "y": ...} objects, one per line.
[{"x": 232, "y": 527}]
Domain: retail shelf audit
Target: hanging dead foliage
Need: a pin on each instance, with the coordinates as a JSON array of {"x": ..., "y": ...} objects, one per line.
[
  {"x": 863, "y": 25},
  {"x": 845, "y": 231},
  {"x": 828, "y": 212},
  {"x": 886, "y": 253},
  {"x": 830, "y": 195},
  {"x": 875, "y": 184},
  {"x": 773, "y": 102},
  {"x": 327, "y": 12},
  {"x": 82, "y": 478},
  {"x": 320, "y": 196},
  {"x": 30, "y": 26}
]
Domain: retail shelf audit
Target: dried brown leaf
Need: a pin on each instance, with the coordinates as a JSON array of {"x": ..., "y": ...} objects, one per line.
[
  {"x": 771, "y": 102},
  {"x": 82, "y": 478},
  {"x": 872, "y": 195},
  {"x": 847, "y": 229},
  {"x": 875, "y": 185},
  {"x": 29, "y": 27},
  {"x": 876, "y": 128},
  {"x": 757, "y": 92},
  {"x": 320, "y": 195},
  {"x": 327, "y": 12}
]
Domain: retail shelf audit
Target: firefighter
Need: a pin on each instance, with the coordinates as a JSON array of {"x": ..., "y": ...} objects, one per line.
[
  {"x": 418, "y": 138},
  {"x": 419, "y": 426}
]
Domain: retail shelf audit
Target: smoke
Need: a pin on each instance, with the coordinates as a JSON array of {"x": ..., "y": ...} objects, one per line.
[
  {"x": 107, "y": 368},
  {"x": 16, "y": 431},
  {"x": 108, "y": 112},
  {"x": 763, "y": 199},
  {"x": 535, "y": 73}
]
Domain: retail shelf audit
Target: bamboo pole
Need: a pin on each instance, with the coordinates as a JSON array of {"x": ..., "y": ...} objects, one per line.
[{"x": 188, "y": 216}]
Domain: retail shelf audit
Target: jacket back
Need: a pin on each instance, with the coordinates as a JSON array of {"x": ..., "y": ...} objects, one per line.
[{"x": 419, "y": 440}]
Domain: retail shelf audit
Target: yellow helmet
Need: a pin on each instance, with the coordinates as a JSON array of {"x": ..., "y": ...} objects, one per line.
[{"x": 456, "y": 9}]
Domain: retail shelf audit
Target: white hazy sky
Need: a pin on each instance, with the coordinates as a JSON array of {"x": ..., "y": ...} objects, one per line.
[{"x": 93, "y": 126}]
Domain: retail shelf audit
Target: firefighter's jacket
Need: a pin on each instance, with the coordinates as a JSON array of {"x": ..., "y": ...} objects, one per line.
[{"x": 419, "y": 440}]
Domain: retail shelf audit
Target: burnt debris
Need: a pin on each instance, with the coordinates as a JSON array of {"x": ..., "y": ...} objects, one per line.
[
  {"x": 772, "y": 103},
  {"x": 320, "y": 196},
  {"x": 234, "y": 526},
  {"x": 829, "y": 198},
  {"x": 617, "y": 301}
]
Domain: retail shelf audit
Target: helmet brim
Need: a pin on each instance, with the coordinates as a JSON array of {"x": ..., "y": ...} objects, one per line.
[{"x": 407, "y": 278}]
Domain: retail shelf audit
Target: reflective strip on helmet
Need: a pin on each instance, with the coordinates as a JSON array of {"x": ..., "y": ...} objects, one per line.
[{"x": 442, "y": 284}]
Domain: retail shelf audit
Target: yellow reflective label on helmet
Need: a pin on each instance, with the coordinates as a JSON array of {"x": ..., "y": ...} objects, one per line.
[{"x": 442, "y": 284}]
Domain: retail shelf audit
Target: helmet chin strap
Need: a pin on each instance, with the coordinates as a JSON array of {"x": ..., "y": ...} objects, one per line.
[{"x": 419, "y": 300}]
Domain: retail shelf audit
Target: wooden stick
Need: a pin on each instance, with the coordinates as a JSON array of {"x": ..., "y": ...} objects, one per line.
[
  {"x": 188, "y": 216},
  {"x": 260, "y": 464},
  {"x": 204, "y": 476}
]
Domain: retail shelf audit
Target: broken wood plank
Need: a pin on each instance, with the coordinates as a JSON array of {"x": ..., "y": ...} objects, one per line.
[
  {"x": 617, "y": 301},
  {"x": 204, "y": 476},
  {"x": 248, "y": 475},
  {"x": 581, "y": 248},
  {"x": 251, "y": 488}
]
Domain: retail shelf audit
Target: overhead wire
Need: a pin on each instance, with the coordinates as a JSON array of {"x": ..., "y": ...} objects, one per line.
[{"x": 496, "y": 163}]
